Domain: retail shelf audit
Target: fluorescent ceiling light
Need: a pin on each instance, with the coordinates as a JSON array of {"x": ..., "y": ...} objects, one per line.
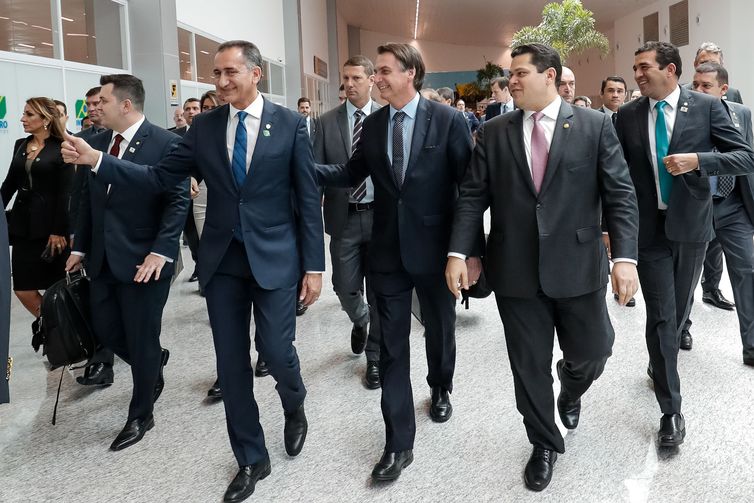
[
  {"x": 77, "y": 34},
  {"x": 204, "y": 52},
  {"x": 3, "y": 17},
  {"x": 66, "y": 19},
  {"x": 184, "y": 52},
  {"x": 47, "y": 43},
  {"x": 41, "y": 27},
  {"x": 416, "y": 19},
  {"x": 27, "y": 45},
  {"x": 19, "y": 22}
]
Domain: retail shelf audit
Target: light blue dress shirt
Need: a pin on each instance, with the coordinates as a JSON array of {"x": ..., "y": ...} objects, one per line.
[{"x": 408, "y": 130}]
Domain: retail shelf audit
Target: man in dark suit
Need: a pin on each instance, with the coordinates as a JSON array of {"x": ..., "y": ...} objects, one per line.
[
  {"x": 671, "y": 130},
  {"x": 256, "y": 160},
  {"x": 502, "y": 96},
  {"x": 712, "y": 272},
  {"x": 548, "y": 172},
  {"x": 349, "y": 212},
  {"x": 471, "y": 120},
  {"x": 122, "y": 232},
  {"x": 416, "y": 152},
  {"x": 733, "y": 210}
]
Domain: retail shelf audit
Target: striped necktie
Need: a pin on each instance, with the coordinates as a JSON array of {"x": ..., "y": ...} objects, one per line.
[{"x": 358, "y": 192}]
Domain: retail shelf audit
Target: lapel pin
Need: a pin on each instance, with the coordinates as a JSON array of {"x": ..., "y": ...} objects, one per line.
[
  {"x": 265, "y": 133},
  {"x": 566, "y": 125},
  {"x": 684, "y": 109},
  {"x": 131, "y": 149},
  {"x": 267, "y": 126}
]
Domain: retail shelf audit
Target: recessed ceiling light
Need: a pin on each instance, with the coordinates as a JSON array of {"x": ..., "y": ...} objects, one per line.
[{"x": 416, "y": 19}]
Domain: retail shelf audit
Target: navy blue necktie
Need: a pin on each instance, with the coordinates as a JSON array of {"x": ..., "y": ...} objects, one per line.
[
  {"x": 397, "y": 164},
  {"x": 239, "y": 163}
]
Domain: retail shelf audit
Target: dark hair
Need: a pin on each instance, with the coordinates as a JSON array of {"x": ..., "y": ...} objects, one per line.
[
  {"x": 91, "y": 92},
  {"x": 126, "y": 87},
  {"x": 542, "y": 57},
  {"x": 501, "y": 82},
  {"x": 445, "y": 93},
  {"x": 363, "y": 61},
  {"x": 665, "y": 53},
  {"x": 585, "y": 99},
  {"x": 45, "y": 108},
  {"x": 250, "y": 51},
  {"x": 62, "y": 104},
  {"x": 303, "y": 99},
  {"x": 209, "y": 95},
  {"x": 722, "y": 73},
  {"x": 192, "y": 100},
  {"x": 342, "y": 88},
  {"x": 408, "y": 57},
  {"x": 613, "y": 79}
]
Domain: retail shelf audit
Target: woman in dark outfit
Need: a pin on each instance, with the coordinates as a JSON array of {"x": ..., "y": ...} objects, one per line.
[{"x": 38, "y": 224}]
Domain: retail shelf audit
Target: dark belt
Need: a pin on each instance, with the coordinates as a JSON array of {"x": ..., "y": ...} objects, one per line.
[{"x": 359, "y": 207}]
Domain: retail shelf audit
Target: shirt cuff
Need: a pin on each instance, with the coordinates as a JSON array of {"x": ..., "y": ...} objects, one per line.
[
  {"x": 96, "y": 166},
  {"x": 315, "y": 272},
  {"x": 167, "y": 259},
  {"x": 629, "y": 260},
  {"x": 78, "y": 253},
  {"x": 457, "y": 255}
]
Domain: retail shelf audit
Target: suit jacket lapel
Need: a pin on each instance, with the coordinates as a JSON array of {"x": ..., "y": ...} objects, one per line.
[
  {"x": 342, "y": 121},
  {"x": 136, "y": 142},
  {"x": 382, "y": 118},
  {"x": 421, "y": 125},
  {"x": 685, "y": 102},
  {"x": 219, "y": 138},
  {"x": 516, "y": 143},
  {"x": 560, "y": 137},
  {"x": 263, "y": 141},
  {"x": 642, "y": 113}
]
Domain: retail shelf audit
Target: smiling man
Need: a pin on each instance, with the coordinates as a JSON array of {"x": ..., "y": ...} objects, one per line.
[
  {"x": 547, "y": 172},
  {"x": 673, "y": 140},
  {"x": 254, "y": 245},
  {"x": 416, "y": 152}
]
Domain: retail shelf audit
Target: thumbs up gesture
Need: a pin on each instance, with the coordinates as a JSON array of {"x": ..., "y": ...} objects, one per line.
[{"x": 77, "y": 151}]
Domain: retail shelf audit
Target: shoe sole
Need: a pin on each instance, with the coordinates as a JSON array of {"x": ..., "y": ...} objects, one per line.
[
  {"x": 713, "y": 304},
  {"x": 369, "y": 385},
  {"x": 672, "y": 443},
  {"x": 388, "y": 478}
]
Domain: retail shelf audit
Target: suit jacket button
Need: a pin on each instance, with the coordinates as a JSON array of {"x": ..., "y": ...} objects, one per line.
[{"x": 539, "y": 205}]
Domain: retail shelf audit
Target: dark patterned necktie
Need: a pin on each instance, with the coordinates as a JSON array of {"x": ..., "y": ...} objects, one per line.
[
  {"x": 725, "y": 185},
  {"x": 398, "y": 147},
  {"x": 358, "y": 192}
]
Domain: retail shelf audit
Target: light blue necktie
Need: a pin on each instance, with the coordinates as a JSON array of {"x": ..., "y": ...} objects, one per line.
[
  {"x": 661, "y": 146},
  {"x": 239, "y": 163}
]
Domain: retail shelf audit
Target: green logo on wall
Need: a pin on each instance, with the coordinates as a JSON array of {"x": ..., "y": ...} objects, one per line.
[
  {"x": 80, "y": 109},
  {"x": 3, "y": 108}
]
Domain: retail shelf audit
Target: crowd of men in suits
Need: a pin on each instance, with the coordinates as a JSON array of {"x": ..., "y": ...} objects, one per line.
[{"x": 643, "y": 185}]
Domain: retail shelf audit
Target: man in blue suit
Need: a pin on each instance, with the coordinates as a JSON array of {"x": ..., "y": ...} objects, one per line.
[
  {"x": 123, "y": 232},
  {"x": 256, "y": 160},
  {"x": 416, "y": 152}
]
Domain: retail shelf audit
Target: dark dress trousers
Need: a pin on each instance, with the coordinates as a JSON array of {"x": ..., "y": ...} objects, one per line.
[
  {"x": 259, "y": 273},
  {"x": 39, "y": 210},
  {"x": 545, "y": 259},
  {"x": 409, "y": 248},
  {"x": 349, "y": 227},
  {"x": 672, "y": 242},
  {"x": 117, "y": 229}
]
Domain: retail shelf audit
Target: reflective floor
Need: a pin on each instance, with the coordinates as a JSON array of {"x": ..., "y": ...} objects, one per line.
[{"x": 477, "y": 456}]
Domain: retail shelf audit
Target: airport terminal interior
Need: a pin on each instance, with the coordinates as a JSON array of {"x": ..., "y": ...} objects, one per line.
[{"x": 61, "y": 48}]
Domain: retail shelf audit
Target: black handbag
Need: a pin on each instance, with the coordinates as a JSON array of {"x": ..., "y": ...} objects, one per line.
[{"x": 65, "y": 329}]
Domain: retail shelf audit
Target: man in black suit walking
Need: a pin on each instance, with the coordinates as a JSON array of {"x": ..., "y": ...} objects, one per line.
[
  {"x": 349, "y": 212},
  {"x": 502, "y": 96},
  {"x": 733, "y": 210},
  {"x": 416, "y": 152},
  {"x": 673, "y": 140},
  {"x": 123, "y": 232},
  {"x": 263, "y": 228},
  {"x": 548, "y": 172}
]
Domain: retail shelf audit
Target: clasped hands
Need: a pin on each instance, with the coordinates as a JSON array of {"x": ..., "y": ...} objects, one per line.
[{"x": 460, "y": 274}]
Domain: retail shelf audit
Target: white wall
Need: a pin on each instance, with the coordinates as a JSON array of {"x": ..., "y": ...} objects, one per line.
[
  {"x": 259, "y": 21},
  {"x": 343, "y": 49},
  {"x": 314, "y": 36},
  {"x": 438, "y": 56}
]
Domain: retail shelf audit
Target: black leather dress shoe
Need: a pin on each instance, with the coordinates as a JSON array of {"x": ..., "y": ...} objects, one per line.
[
  {"x": 295, "y": 430},
  {"x": 538, "y": 471},
  {"x": 215, "y": 391},
  {"x": 391, "y": 464},
  {"x": 715, "y": 297},
  {"x": 568, "y": 408},
  {"x": 630, "y": 303},
  {"x": 441, "y": 409},
  {"x": 650, "y": 371},
  {"x": 686, "y": 340},
  {"x": 672, "y": 430},
  {"x": 132, "y": 432},
  {"x": 261, "y": 369},
  {"x": 246, "y": 480},
  {"x": 98, "y": 374},
  {"x": 359, "y": 338},
  {"x": 165, "y": 356},
  {"x": 300, "y": 308},
  {"x": 194, "y": 277},
  {"x": 372, "y": 378}
]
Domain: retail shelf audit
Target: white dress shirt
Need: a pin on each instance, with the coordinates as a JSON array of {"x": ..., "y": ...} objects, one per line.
[
  {"x": 670, "y": 111},
  {"x": 253, "y": 122}
]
